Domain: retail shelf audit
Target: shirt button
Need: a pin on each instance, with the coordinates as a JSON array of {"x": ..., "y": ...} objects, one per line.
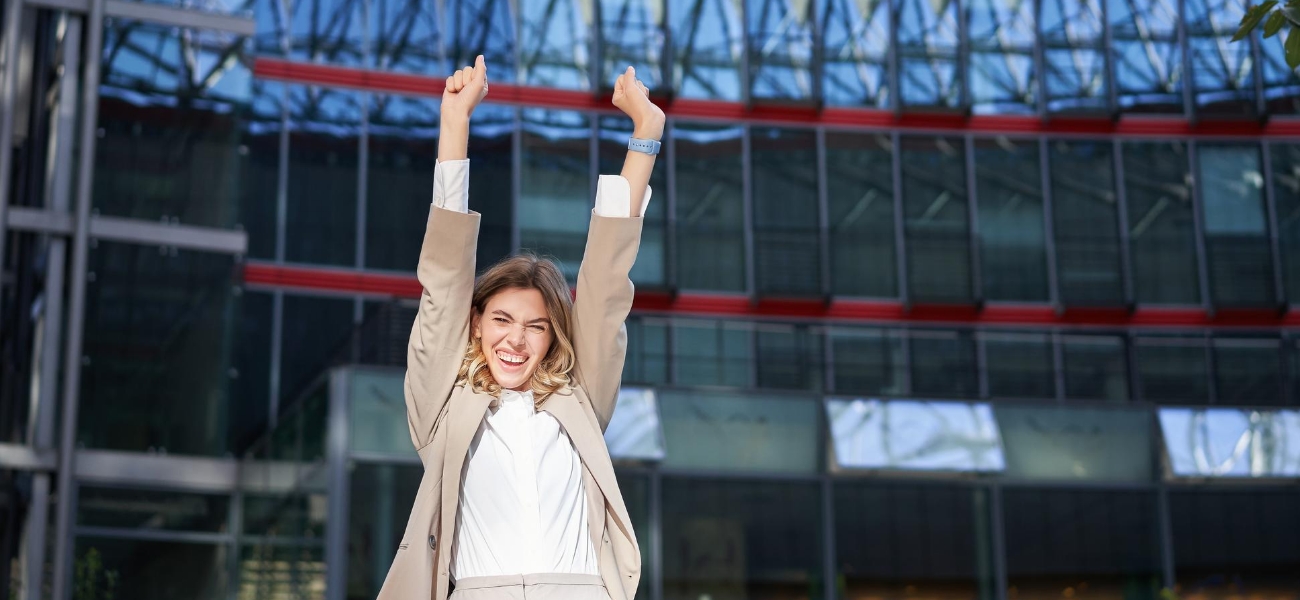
[{"x": 433, "y": 543}]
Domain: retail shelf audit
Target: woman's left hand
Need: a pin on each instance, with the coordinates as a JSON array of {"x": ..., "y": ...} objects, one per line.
[{"x": 633, "y": 98}]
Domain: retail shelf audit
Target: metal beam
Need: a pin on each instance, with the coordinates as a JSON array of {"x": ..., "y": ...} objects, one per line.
[
  {"x": 189, "y": 237},
  {"x": 26, "y": 458},
  {"x": 36, "y": 220},
  {"x": 157, "y": 13},
  {"x": 8, "y": 96}
]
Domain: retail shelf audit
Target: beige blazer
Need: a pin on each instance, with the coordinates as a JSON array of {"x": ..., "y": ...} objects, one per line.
[{"x": 444, "y": 416}]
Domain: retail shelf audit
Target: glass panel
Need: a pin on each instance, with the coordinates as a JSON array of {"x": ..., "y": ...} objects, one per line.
[
  {"x": 1096, "y": 367},
  {"x": 735, "y": 432},
  {"x": 1286, "y": 198},
  {"x": 272, "y": 572},
  {"x": 405, "y": 36},
  {"x": 378, "y": 413},
  {"x": 1082, "y": 543},
  {"x": 789, "y": 357},
  {"x": 1281, "y": 84},
  {"x": 912, "y": 435},
  {"x": 936, "y": 219},
  {"x": 251, "y": 386},
  {"x": 491, "y": 151},
  {"x": 271, "y": 35},
  {"x": 869, "y": 361},
  {"x": 1172, "y": 370},
  {"x": 554, "y": 48},
  {"x": 708, "y": 38},
  {"x": 1223, "y": 73},
  {"x": 1161, "y": 226},
  {"x": 151, "y": 510},
  {"x": 555, "y": 189},
  {"x": 636, "y": 494},
  {"x": 161, "y": 330},
  {"x": 943, "y": 364},
  {"x": 1019, "y": 365},
  {"x": 381, "y": 498},
  {"x": 786, "y": 225},
  {"x": 239, "y": 8},
  {"x": 855, "y": 53},
  {"x": 288, "y": 516},
  {"x": 484, "y": 27},
  {"x": 741, "y": 539},
  {"x": 315, "y": 334},
  {"x": 860, "y": 198},
  {"x": 1147, "y": 57},
  {"x": 650, "y": 270},
  {"x": 148, "y": 570},
  {"x": 328, "y": 31},
  {"x": 178, "y": 123},
  {"x": 780, "y": 49},
  {"x": 1086, "y": 223},
  {"x": 1248, "y": 371},
  {"x": 401, "y": 153},
  {"x": 1229, "y": 543},
  {"x": 1231, "y": 442},
  {"x": 895, "y": 540},
  {"x": 1236, "y": 227},
  {"x": 708, "y": 163},
  {"x": 632, "y": 33},
  {"x": 634, "y": 432},
  {"x": 712, "y": 353},
  {"x": 1009, "y": 185},
  {"x": 1088, "y": 444},
  {"x": 324, "y": 156},
  {"x": 1002, "y": 75},
  {"x": 647, "y": 351},
  {"x": 1074, "y": 55},
  {"x": 928, "y": 40}
]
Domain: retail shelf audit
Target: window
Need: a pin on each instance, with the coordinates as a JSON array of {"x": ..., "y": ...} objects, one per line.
[
  {"x": 1172, "y": 370},
  {"x": 151, "y": 570},
  {"x": 943, "y": 364},
  {"x": 789, "y": 357},
  {"x": 1019, "y": 365},
  {"x": 380, "y": 499},
  {"x": 1248, "y": 371},
  {"x": 152, "y": 511},
  {"x": 855, "y": 53},
  {"x": 787, "y": 250},
  {"x": 708, "y": 161},
  {"x": 712, "y": 353},
  {"x": 1009, "y": 185},
  {"x": 1237, "y": 251},
  {"x": 555, "y": 190},
  {"x": 647, "y": 351},
  {"x": 707, "y": 38},
  {"x": 632, "y": 33},
  {"x": 928, "y": 38},
  {"x": 650, "y": 270},
  {"x": 1002, "y": 75},
  {"x": 869, "y": 361},
  {"x": 1161, "y": 226},
  {"x": 1086, "y": 223},
  {"x": 1230, "y": 442},
  {"x": 314, "y": 336},
  {"x": 1146, "y": 54},
  {"x": 860, "y": 198},
  {"x": 405, "y": 36},
  {"x": 1096, "y": 367},
  {"x": 1074, "y": 55},
  {"x": 328, "y": 31},
  {"x": 913, "y": 435},
  {"x": 780, "y": 50},
  {"x": 936, "y": 219},
  {"x": 1056, "y": 442},
  {"x": 1286, "y": 195},
  {"x": 1226, "y": 542},
  {"x": 484, "y": 27},
  {"x": 1223, "y": 73},
  {"x": 402, "y": 152},
  {"x": 713, "y": 431},
  {"x": 554, "y": 47},
  {"x": 324, "y": 155}
]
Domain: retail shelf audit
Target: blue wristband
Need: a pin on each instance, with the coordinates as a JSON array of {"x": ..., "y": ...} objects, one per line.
[{"x": 644, "y": 146}]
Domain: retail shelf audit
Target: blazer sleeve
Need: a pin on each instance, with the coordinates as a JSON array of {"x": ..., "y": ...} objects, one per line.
[
  {"x": 604, "y": 299},
  {"x": 441, "y": 329}
]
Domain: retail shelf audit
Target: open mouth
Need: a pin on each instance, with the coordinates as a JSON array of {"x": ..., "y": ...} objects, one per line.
[{"x": 510, "y": 359}]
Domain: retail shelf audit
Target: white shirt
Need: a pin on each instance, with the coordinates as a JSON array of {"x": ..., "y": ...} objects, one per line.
[{"x": 523, "y": 503}]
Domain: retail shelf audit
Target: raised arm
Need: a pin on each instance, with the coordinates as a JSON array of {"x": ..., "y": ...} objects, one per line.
[
  {"x": 446, "y": 269},
  {"x": 605, "y": 292}
]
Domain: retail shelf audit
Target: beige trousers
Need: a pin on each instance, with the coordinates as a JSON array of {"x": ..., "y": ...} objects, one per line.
[{"x": 537, "y": 586}]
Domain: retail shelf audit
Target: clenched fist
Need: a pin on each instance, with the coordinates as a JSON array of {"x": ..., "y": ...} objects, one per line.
[
  {"x": 465, "y": 89},
  {"x": 633, "y": 98}
]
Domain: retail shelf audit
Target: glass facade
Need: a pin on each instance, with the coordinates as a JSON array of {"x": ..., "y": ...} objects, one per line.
[{"x": 1063, "y": 216}]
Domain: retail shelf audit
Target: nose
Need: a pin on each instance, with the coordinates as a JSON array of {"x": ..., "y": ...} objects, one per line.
[{"x": 516, "y": 337}]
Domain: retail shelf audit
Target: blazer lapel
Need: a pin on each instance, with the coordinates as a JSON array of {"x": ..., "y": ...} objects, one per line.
[
  {"x": 463, "y": 419},
  {"x": 567, "y": 409}
]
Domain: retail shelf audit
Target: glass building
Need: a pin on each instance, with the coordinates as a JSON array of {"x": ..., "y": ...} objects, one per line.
[{"x": 946, "y": 299}]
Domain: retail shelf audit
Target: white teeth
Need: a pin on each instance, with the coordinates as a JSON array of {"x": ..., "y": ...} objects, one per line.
[{"x": 513, "y": 359}]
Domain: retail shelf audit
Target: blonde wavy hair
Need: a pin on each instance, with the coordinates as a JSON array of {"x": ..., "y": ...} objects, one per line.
[{"x": 524, "y": 271}]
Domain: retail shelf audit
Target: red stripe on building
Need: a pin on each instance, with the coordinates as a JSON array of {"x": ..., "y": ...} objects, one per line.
[
  {"x": 879, "y": 311},
  {"x": 864, "y": 118}
]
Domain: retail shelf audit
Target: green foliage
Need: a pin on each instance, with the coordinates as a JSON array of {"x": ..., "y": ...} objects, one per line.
[
  {"x": 91, "y": 581},
  {"x": 1274, "y": 17}
]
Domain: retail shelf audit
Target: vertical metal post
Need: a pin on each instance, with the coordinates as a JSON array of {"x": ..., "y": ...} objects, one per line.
[
  {"x": 747, "y": 194},
  {"x": 1257, "y": 69},
  {"x": 596, "y": 74},
  {"x": 1189, "y": 83},
  {"x": 363, "y": 173},
  {"x": 1211, "y": 367},
  {"x": 670, "y": 208},
  {"x": 1049, "y": 226},
  {"x": 9, "y": 89},
  {"x": 1040, "y": 60},
  {"x": 900, "y": 229},
  {"x": 823, "y": 215},
  {"x": 1108, "y": 45},
  {"x": 336, "y": 455},
  {"x": 973, "y": 242},
  {"x": 746, "y": 78},
  {"x": 593, "y": 159},
  {"x": 236, "y": 517},
  {"x": 981, "y": 363},
  {"x": 830, "y": 565},
  {"x": 895, "y": 80},
  {"x": 996, "y": 527},
  {"x": 277, "y": 339},
  {"x": 516, "y": 177},
  {"x": 282, "y": 178},
  {"x": 656, "y": 536},
  {"x": 1274, "y": 236},
  {"x": 1168, "y": 574},
  {"x": 77, "y": 302},
  {"x": 1121, "y": 218},
  {"x": 963, "y": 55},
  {"x": 1058, "y": 363},
  {"x": 1198, "y": 224}
]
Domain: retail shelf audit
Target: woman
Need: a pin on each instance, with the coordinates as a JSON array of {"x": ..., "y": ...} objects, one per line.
[{"x": 509, "y": 386}]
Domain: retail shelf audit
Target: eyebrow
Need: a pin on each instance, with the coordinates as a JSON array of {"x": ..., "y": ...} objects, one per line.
[{"x": 508, "y": 316}]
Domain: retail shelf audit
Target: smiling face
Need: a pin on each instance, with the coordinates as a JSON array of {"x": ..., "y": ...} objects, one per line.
[{"x": 515, "y": 332}]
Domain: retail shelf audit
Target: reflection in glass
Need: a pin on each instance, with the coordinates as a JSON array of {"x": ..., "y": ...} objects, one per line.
[
  {"x": 1096, "y": 367},
  {"x": 943, "y": 364},
  {"x": 151, "y": 510},
  {"x": 314, "y": 335},
  {"x": 554, "y": 48},
  {"x": 1002, "y": 75},
  {"x": 868, "y": 361},
  {"x": 647, "y": 351},
  {"x": 651, "y": 267},
  {"x": 914, "y": 435},
  {"x": 405, "y": 36},
  {"x": 708, "y": 38},
  {"x": 381, "y": 497},
  {"x": 1147, "y": 57},
  {"x": 789, "y": 357},
  {"x": 1286, "y": 198},
  {"x": 324, "y": 156},
  {"x": 1082, "y": 543},
  {"x": 632, "y": 34},
  {"x": 712, "y": 353},
  {"x": 708, "y": 162},
  {"x": 913, "y": 540},
  {"x": 1161, "y": 227},
  {"x": 1086, "y": 223},
  {"x": 860, "y": 198},
  {"x": 936, "y": 219},
  {"x": 160, "y": 335},
  {"x": 1223, "y": 73},
  {"x": 1019, "y": 365},
  {"x": 739, "y": 432},
  {"x": 177, "y": 124},
  {"x": 634, "y": 432},
  {"x": 555, "y": 185},
  {"x": 1231, "y": 442},
  {"x": 150, "y": 570},
  {"x": 1172, "y": 370},
  {"x": 741, "y": 539},
  {"x": 377, "y": 413},
  {"x": 1237, "y": 253},
  {"x": 1248, "y": 371},
  {"x": 1229, "y": 543},
  {"x": 1074, "y": 55},
  {"x": 855, "y": 53},
  {"x": 1009, "y": 185},
  {"x": 1066, "y": 443},
  {"x": 484, "y": 27},
  {"x": 927, "y": 53},
  {"x": 251, "y": 385},
  {"x": 780, "y": 49},
  {"x": 282, "y": 571},
  {"x": 402, "y": 149},
  {"x": 787, "y": 252},
  {"x": 328, "y": 31}
]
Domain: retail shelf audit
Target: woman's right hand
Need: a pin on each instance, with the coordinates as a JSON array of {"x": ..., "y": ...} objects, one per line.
[{"x": 465, "y": 89}]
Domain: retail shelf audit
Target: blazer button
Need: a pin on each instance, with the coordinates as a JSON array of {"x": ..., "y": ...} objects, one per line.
[{"x": 433, "y": 543}]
